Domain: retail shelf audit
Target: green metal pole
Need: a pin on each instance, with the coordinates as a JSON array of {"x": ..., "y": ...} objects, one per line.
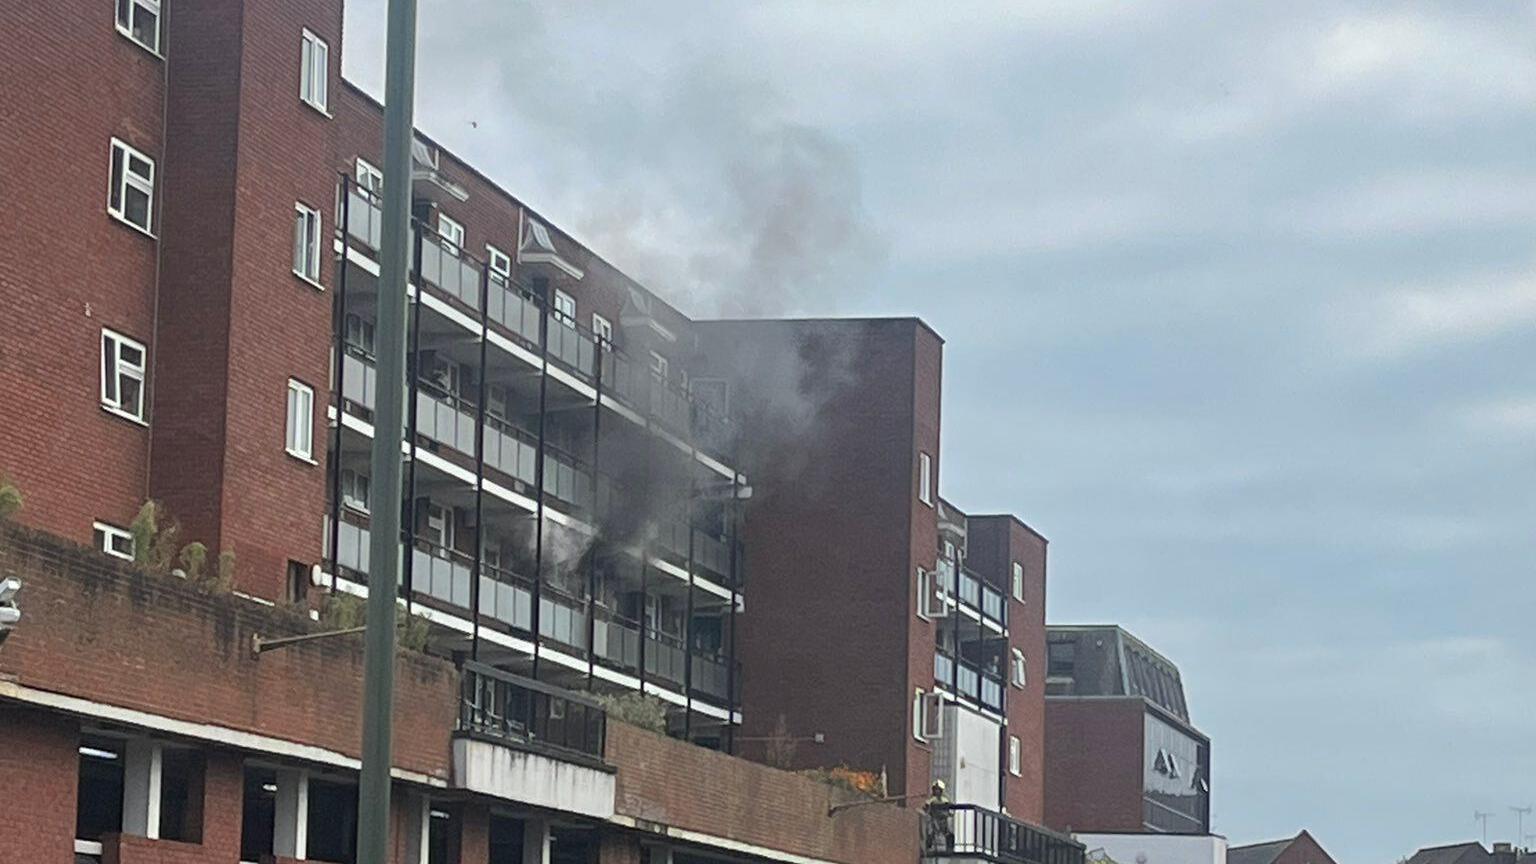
[{"x": 384, "y": 541}]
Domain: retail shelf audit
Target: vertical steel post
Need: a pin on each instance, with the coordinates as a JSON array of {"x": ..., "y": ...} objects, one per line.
[
  {"x": 479, "y": 571},
  {"x": 384, "y": 539},
  {"x": 731, "y": 682},
  {"x": 601, "y": 350},
  {"x": 542, "y": 289},
  {"x": 339, "y": 333}
]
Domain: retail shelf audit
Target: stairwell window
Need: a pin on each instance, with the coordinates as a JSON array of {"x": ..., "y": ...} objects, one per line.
[
  {"x": 306, "y": 243},
  {"x": 1015, "y": 756},
  {"x": 314, "y": 72},
  {"x": 301, "y": 420},
  {"x": 112, "y": 540},
  {"x": 139, "y": 20},
  {"x": 1020, "y": 670},
  {"x": 123, "y": 361},
  {"x": 1018, "y": 581},
  {"x": 131, "y": 198},
  {"x": 925, "y": 478}
]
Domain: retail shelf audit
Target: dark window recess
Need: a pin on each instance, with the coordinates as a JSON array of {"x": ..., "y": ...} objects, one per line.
[
  {"x": 443, "y": 831},
  {"x": 1062, "y": 659},
  {"x": 258, "y": 813},
  {"x": 181, "y": 795},
  {"x": 298, "y": 581},
  {"x": 506, "y": 841},
  {"x": 332, "y": 822},
  {"x": 99, "y": 802}
]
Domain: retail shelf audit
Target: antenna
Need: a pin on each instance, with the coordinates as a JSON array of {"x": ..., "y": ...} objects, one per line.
[
  {"x": 1520, "y": 814},
  {"x": 1480, "y": 816}
]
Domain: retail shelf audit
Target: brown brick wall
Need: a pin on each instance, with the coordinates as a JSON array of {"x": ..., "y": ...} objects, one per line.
[
  {"x": 67, "y": 268},
  {"x": 1093, "y": 764},
  {"x": 1305, "y": 850},
  {"x": 666, "y": 781},
  {"x": 37, "y": 784}
]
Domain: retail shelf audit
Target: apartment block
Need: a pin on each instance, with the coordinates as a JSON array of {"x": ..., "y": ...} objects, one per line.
[{"x": 1121, "y": 753}]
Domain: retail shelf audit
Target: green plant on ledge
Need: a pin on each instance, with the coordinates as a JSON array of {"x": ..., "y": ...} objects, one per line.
[
  {"x": 636, "y": 709},
  {"x": 347, "y": 611},
  {"x": 156, "y": 550},
  {"x": 10, "y": 498}
]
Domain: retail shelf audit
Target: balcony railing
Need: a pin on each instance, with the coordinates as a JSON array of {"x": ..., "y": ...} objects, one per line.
[
  {"x": 616, "y": 640},
  {"x": 711, "y": 675},
  {"x": 970, "y": 589},
  {"x": 993, "y": 605},
  {"x": 664, "y": 656},
  {"x": 944, "y": 670},
  {"x": 572, "y": 346},
  {"x": 441, "y": 573},
  {"x": 365, "y": 218},
  {"x": 968, "y": 681},
  {"x": 446, "y": 267},
  {"x": 501, "y": 705},
  {"x": 992, "y": 692},
  {"x": 445, "y": 418},
  {"x": 970, "y": 832},
  {"x": 514, "y": 309},
  {"x": 511, "y": 450}
]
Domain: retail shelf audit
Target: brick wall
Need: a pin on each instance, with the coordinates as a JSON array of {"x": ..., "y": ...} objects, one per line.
[
  {"x": 102, "y": 632},
  {"x": 37, "y": 751},
  {"x": 1093, "y": 764},
  {"x": 67, "y": 268},
  {"x": 678, "y": 785},
  {"x": 1305, "y": 850}
]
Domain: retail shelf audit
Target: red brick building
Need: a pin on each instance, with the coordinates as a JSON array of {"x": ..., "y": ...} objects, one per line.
[
  {"x": 189, "y": 320},
  {"x": 1301, "y": 849},
  {"x": 1121, "y": 753}
]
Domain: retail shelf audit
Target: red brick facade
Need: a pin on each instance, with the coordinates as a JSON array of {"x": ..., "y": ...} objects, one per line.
[{"x": 1094, "y": 764}]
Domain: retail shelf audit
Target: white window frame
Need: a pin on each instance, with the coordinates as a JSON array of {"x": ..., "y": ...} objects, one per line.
[
  {"x": 130, "y": 180},
  {"x": 445, "y": 516},
  {"x": 452, "y": 233},
  {"x": 369, "y": 177},
  {"x": 314, "y": 89},
  {"x": 114, "y": 369},
  {"x": 307, "y": 245},
  {"x": 564, "y": 306},
  {"x": 923, "y": 590},
  {"x": 925, "y": 478},
  {"x": 1018, "y": 582},
  {"x": 660, "y": 367},
  {"x": 1015, "y": 756},
  {"x": 300, "y": 437},
  {"x": 125, "y": 27},
  {"x": 1018, "y": 670},
  {"x": 930, "y": 595},
  {"x": 918, "y": 712},
  {"x": 602, "y": 330},
  {"x": 109, "y": 533},
  {"x": 498, "y": 262}
]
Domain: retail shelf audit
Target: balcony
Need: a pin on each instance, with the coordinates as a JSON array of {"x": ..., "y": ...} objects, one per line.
[
  {"x": 944, "y": 670},
  {"x": 992, "y": 692},
  {"x": 528, "y": 741},
  {"x": 970, "y": 590},
  {"x": 446, "y": 268},
  {"x": 709, "y": 553},
  {"x": 967, "y": 832},
  {"x": 994, "y": 605}
]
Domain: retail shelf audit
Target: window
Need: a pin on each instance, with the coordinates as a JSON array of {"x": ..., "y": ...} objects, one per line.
[
  {"x": 565, "y": 306},
  {"x": 314, "y": 72},
  {"x": 301, "y": 420},
  {"x": 602, "y": 328},
  {"x": 99, "y": 799},
  {"x": 452, "y": 234},
  {"x": 360, "y": 333},
  {"x": 918, "y": 723},
  {"x": 132, "y": 196},
  {"x": 1061, "y": 659},
  {"x": 925, "y": 478},
  {"x": 306, "y": 242},
  {"x": 113, "y": 540},
  {"x": 181, "y": 795},
  {"x": 258, "y": 816},
  {"x": 440, "y": 525},
  {"x": 332, "y": 832},
  {"x": 122, "y": 375},
  {"x": 354, "y": 490},
  {"x": 658, "y": 366},
  {"x": 1015, "y": 756},
  {"x": 298, "y": 582},
  {"x": 499, "y": 262},
  {"x": 1019, "y": 670},
  {"x": 930, "y": 595},
  {"x": 139, "y": 20},
  {"x": 1018, "y": 581},
  {"x": 369, "y": 177}
]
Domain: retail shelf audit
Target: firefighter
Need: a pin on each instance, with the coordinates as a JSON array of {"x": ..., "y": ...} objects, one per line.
[{"x": 937, "y": 811}]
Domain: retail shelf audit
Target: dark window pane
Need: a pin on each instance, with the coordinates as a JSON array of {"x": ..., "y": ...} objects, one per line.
[
  {"x": 99, "y": 802},
  {"x": 257, "y": 814}
]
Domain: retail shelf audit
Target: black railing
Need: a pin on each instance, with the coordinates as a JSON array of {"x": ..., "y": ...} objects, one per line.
[
  {"x": 511, "y": 707},
  {"x": 970, "y": 832}
]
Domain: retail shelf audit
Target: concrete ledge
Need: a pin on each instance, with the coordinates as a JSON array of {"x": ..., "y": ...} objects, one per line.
[{"x": 532, "y": 778}]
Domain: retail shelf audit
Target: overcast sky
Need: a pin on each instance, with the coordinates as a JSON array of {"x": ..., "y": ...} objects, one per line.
[{"x": 1239, "y": 301}]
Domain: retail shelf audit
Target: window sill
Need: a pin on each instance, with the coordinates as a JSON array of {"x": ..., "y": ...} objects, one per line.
[
  {"x": 135, "y": 226},
  {"x": 318, "y": 109},
  {"x": 118, "y": 412},
  {"x": 307, "y": 460},
  {"x": 313, "y": 283},
  {"x": 126, "y": 34}
]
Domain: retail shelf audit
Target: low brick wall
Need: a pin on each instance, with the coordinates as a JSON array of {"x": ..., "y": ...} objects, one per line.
[{"x": 678, "y": 785}]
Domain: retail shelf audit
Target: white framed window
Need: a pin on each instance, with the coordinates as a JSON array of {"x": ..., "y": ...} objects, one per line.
[
  {"x": 499, "y": 262},
  {"x": 123, "y": 362},
  {"x": 565, "y": 306},
  {"x": 369, "y": 177},
  {"x": 440, "y": 525},
  {"x": 918, "y": 721},
  {"x": 925, "y": 478},
  {"x": 306, "y": 242},
  {"x": 355, "y": 491},
  {"x": 131, "y": 197},
  {"x": 1019, "y": 670},
  {"x": 113, "y": 540},
  {"x": 659, "y": 366},
  {"x": 301, "y": 420},
  {"x": 315, "y": 72},
  {"x": 139, "y": 20},
  {"x": 930, "y": 595},
  {"x": 1015, "y": 756},
  {"x": 360, "y": 332},
  {"x": 602, "y": 328},
  {"x": 1018, "y": 581},
  {"x": 452, "y": 233}
]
